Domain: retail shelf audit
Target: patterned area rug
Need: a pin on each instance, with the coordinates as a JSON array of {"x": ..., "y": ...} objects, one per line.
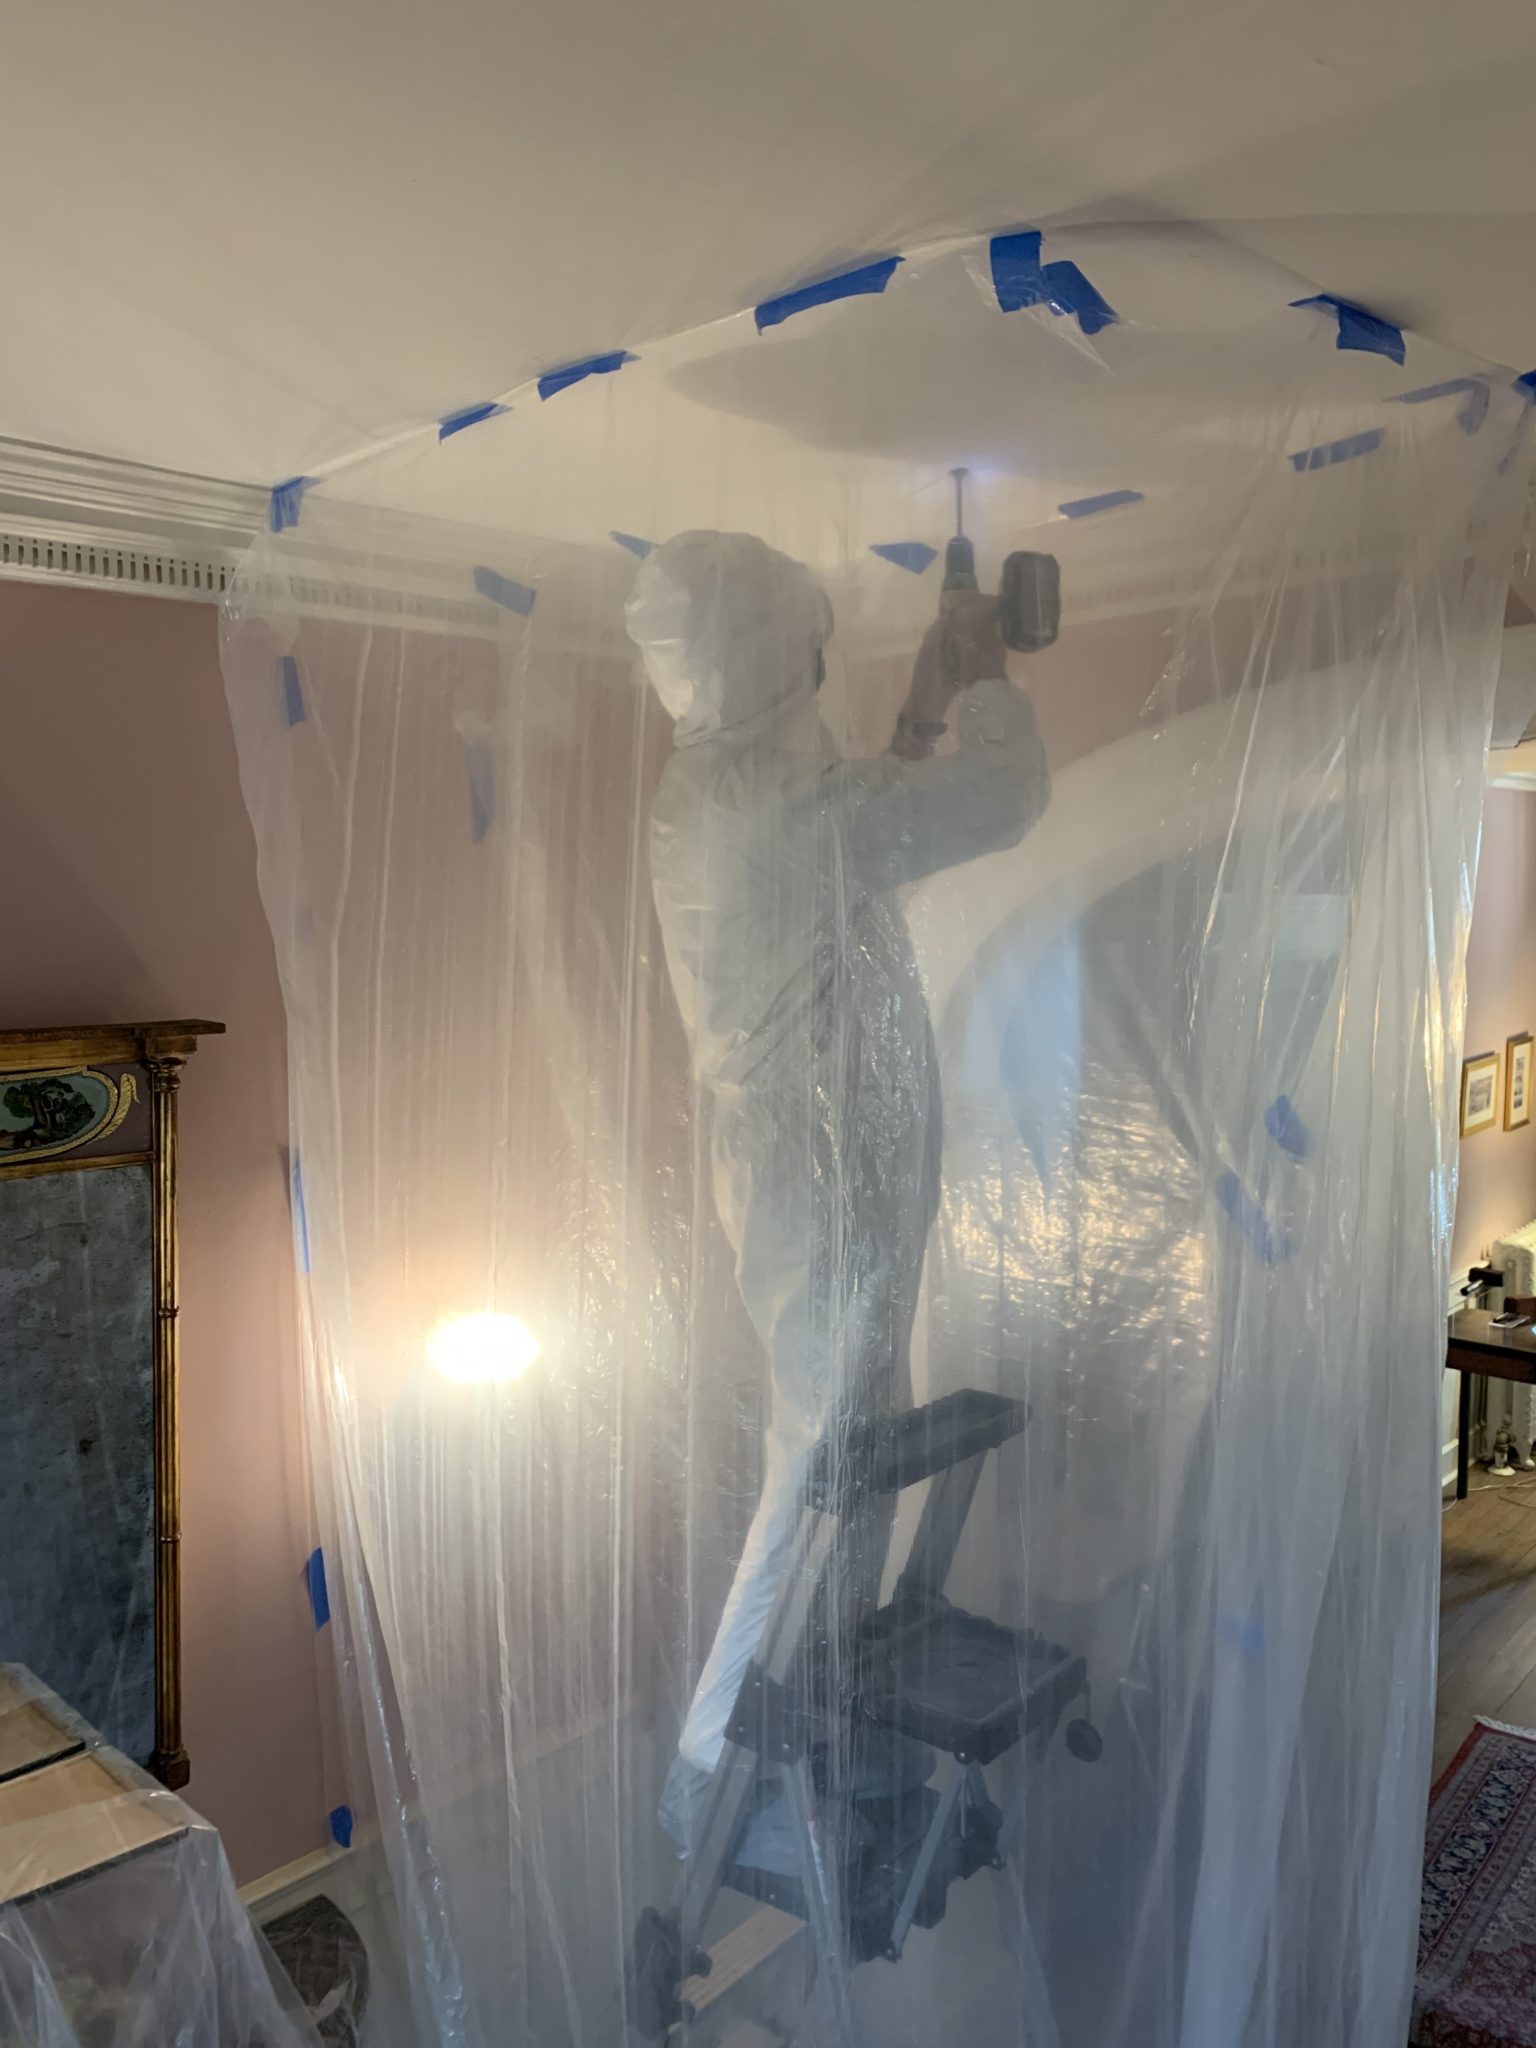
[{"x": 1476, "y": 1985}]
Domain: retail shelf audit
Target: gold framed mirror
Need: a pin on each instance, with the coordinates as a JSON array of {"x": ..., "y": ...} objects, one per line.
[{"x": 90, "y": 1494}]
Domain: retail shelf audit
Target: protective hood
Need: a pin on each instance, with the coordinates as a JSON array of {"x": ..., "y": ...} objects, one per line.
[{"x": 728, "y": 628}]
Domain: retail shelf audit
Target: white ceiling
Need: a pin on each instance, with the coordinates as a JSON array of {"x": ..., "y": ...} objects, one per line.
[{"x": 244, "y": 240}]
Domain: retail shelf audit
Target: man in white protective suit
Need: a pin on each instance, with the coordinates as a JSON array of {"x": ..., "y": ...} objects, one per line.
[{"x": 775, "y": 864}]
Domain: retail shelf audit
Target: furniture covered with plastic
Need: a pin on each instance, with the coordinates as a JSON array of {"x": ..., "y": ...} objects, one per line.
[{"x": 120, "y": 1925}]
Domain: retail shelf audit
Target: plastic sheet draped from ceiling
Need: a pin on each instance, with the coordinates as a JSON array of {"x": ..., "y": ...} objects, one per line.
[{"x": 633, "y": 1051}]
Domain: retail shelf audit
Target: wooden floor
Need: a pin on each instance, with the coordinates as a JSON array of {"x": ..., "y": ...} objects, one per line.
[{"x": 1487, "y": 1610}]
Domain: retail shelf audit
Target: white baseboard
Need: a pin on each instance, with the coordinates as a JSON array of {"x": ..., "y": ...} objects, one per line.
[{"x": 292, "y": 1883}]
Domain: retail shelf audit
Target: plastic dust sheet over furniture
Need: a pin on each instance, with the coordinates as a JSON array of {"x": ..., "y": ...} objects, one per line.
[
  {"x": 120, "y": 1925},
  {"x": 729, "y": 1013}
]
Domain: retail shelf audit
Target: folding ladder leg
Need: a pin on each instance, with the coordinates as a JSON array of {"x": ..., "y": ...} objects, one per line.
[
  {"x": 736, "y": 1775},
  {"x": 823, "y": 1897},
  {"x": 730, "y": 1795},
  {"x": 938, "y": 1827}
]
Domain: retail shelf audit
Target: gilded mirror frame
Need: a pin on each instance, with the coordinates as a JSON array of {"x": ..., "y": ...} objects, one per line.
[{"x": 79, "y": 1126}]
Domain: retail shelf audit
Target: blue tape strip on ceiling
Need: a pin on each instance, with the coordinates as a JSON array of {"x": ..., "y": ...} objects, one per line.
[
  {"x": 1471, "y": 415},
  {"x": 314, "y": 1578},
  {"x": 1083, "y": 508},
  {"x": 912, "y": 555},
  {"x": 1359, "y": 329},
  {"x": 1337, "y": 451},
  {"x": 1448, "y": 389},
  {"x": 1021, "y": 279},
  {"x": 284, "y": 502},
  {"x": 292, "y": 690},
  {"x": 502, "y": 590},
  {"x": 1475, "y": 411},
  {"x": 1526, "y": 386},
  {"x": 341, "y": 1826},
  {"x": 455, "y": 422},
  {"x": 480, "y": 771},
  {"x": 849, "y": 284},
  {"x": 576, "y": 373}
]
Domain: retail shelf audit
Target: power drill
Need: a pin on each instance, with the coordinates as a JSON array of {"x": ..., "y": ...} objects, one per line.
[
  {"x": 1029, "y": 593},
  {"x": 1028, "y": 617},
  {"x": 959, "y": 556}
]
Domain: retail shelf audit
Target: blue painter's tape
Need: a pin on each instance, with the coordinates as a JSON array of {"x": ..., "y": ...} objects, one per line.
[
  {"x": 512, "y": 597},
  {"x": 849, "y": 284},
  {"x": 341, "y": 1826},
  {"x": 1475, "y": 411},
  {"x": 1526, "y": 386},
  {"x": 292, "y": 689},
  {"x": 1068, "y": 291},
  {"x": 1251, "y": 1220},
  {"x": 1286, "y": 1127},
  {"x": 481, "y": 771},
  {"x": 1083, "y": 508},
  {"x": 470, "y": 416},
  {"x": 1016, "y": 269},
  {"x": 634, "y": 543},
  {"x": 319, "y": 1598},
  {"x": 1448, "y": 389},
  {"x": 1242, "y": 1634},
  {"x": 285, "y": 501},
  {"x": 1359, "y": 329},
  {"x": 1472, "y": 413},
  {"x": 576, "y": 373},
  {"x": 300, "y": 1216},
  {"x": 912, "y": 555},
  {"x": 1020, "y": 279},
  {"x": 1338, "y": 451}
]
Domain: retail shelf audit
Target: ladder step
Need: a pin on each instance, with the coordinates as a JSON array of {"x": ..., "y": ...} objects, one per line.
[
  {"x": 901, "y": 1450},
  {"x": 762, "y": 1938},
  {"x": 878, "y": 1855},
  {"x": 962, "y": 1683}
]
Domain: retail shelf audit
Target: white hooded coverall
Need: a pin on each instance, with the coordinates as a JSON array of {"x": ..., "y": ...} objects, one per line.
[{"x": 775, "y": 864}]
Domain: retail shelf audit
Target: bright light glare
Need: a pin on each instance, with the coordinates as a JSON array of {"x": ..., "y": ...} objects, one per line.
[{"x": 479, "y": 1350}]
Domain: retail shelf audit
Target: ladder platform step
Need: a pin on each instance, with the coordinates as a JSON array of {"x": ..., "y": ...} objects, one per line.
[
  {"x": 962, "y": 1683},
  {"x": 878, "y": 1851},
  {"x": 898, "y": 1451}
]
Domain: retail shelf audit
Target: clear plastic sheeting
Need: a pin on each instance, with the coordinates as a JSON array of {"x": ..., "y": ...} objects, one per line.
[
  {"x": 876, "y": 1200},
  {"x": 120, "y": 1925}
]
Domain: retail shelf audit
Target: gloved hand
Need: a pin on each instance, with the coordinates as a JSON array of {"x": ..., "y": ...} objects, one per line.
[{"x": 961, "y": 647}]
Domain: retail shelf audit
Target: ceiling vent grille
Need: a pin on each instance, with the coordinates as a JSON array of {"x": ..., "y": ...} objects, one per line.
[{"x": 110, "y": 565}]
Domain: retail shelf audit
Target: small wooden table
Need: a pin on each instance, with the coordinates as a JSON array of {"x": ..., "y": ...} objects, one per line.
[{"x": 1474, "y": 1346}]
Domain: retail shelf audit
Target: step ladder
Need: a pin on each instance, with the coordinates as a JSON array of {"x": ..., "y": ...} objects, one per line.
[{"x": 867, "y": 1869}]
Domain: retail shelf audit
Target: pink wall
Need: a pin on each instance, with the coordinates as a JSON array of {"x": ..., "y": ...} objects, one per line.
[
  {"x": 131, "y": 893},
  {"x": 1497, "y": 1179}
]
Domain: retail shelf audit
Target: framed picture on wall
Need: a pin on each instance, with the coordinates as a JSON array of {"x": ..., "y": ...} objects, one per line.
[
  {"x": 1479, "y": 1093},
  {"x": 1517, "y": 1081}
]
